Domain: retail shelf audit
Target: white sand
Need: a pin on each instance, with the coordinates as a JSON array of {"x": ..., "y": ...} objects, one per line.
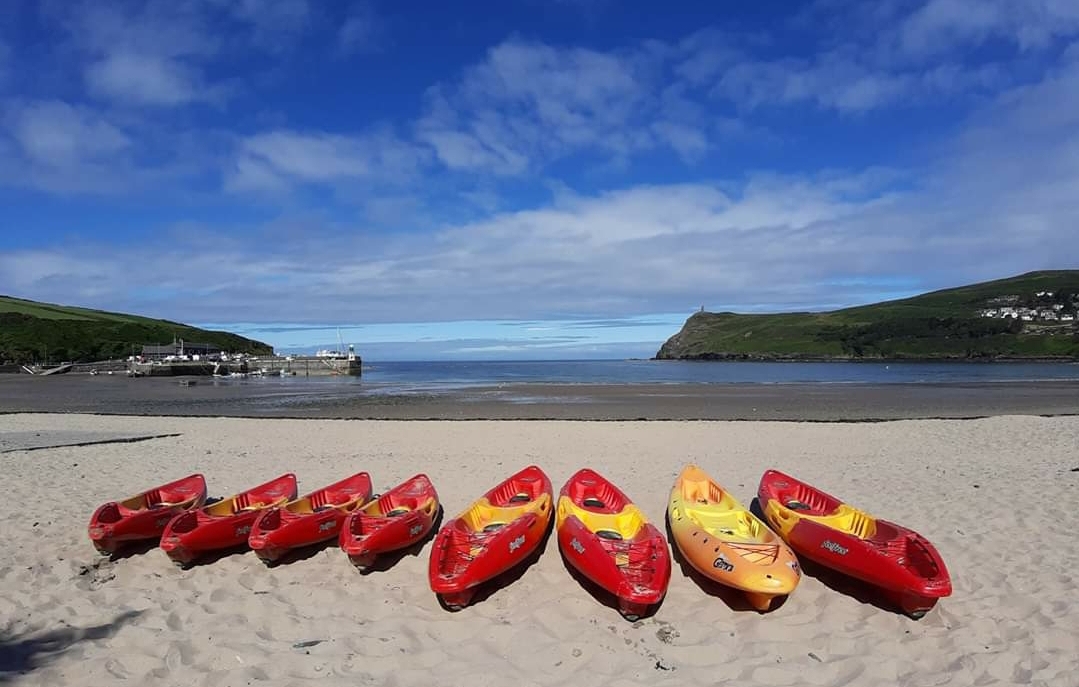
[{"x": 996, "y": 496}]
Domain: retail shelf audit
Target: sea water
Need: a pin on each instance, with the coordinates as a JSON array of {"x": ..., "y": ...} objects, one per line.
[{"x": 400, "y": 377}]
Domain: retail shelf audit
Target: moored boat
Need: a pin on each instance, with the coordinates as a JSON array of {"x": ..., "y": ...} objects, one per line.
[
  {"x": 497, "y": 532},
  {"x": 607, "y": 539},
  {"x": 309, "y": 520},
  {"x": 723, "y": 541},
  {"x": 895, "y": 559},
  {"x": 400, "y": 518},
  {"x": 143, "y": 517},
  {"x": 225, "y": 524}
]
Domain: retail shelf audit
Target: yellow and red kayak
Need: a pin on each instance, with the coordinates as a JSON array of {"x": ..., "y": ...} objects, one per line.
[
  {"x": 497, "y": 532},
  {"x": 608, "y": 539},
  {"x": 726, "y": 543},
  {"x": 896, "y": 559}
]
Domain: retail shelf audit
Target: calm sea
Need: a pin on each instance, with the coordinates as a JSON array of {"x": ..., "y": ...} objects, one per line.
[{"x": 422, "y": 376}]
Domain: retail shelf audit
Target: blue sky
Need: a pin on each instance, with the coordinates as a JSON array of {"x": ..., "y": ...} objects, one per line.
[{"x": 528, "y": 179}]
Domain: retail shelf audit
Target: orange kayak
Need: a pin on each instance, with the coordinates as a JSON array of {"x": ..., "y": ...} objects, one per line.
[{"x": 726, "y": 543}]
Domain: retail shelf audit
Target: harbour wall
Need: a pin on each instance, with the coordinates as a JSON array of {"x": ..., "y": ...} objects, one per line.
[
  {"x": 306, "y": 366},
  {"x": 284, "y": 366}
]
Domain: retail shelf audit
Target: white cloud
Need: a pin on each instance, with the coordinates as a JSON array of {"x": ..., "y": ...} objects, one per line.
[
  {"x": 481, "y": 149},
  {"x": 941, "y": 25},
  {"x": 273, "y": 160},
  {"x": 54, "y": 134},
  {"x": 891, "y": 54},
  {"x": 150, "y": 53},
  {"x": 360, "y": 31},
  {"x": 830, "y": 81},
  {"x": 527, "y": 104},
  {"x": 840, "y": 80},
  {"x": 157, "y": 53},
  {"x": 689, "y": 142},
  {"x": 157, "y": 27},
  {"x": 54, "y": 272},
  {"x": 64, "y": 148},
  {"x": 144, "y": 80},
  {"x": 703, "y": 55}
]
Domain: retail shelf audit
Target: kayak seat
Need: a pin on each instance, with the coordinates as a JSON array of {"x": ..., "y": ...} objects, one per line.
[
  {"x": 623, "y": 525},
  {"x": 849, "y": 520},
  {"x": 728, "y": 525},
  {"x": 482, "y": 513}
]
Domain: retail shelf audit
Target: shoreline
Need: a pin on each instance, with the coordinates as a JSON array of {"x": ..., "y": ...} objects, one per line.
[{"x": 796, "y": 402}]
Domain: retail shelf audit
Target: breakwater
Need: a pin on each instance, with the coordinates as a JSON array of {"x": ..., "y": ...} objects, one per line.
[{"x": 285, "y": 366}]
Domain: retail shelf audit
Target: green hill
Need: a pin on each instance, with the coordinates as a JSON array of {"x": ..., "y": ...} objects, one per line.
[
  {"x": 41, "y": 332},
  {"x": 947, "y": 324}
]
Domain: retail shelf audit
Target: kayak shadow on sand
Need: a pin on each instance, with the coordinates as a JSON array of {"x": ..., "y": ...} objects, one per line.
[
  {"x": 485, "y": 590},
  {"x": 302, "y": 553},
  {"x": 734, "y": 598},
  {"x": 211, "y": 557},
  {"x": 863, "y": 592},
  {"x": 132, "y": 549},
  {"x": 385, "y": 561}
]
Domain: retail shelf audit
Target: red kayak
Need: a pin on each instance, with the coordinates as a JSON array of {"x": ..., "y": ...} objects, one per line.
[
  {"x": 225, "y": 524},
  {"x": 401, "y": 517},
  {"x": 607, "y": 539},
  {"x": 143, "y": 517},
  {"x": 495, "y": 533},
  {"x": 893, "y": 558},
  {"x": 309, "y": 520}
]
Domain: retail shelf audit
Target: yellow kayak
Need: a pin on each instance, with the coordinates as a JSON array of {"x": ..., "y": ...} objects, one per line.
[{"x": 726, "y": 543}]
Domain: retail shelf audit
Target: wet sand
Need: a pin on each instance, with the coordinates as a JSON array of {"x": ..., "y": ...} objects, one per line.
[{"x": 207, "y": 397}]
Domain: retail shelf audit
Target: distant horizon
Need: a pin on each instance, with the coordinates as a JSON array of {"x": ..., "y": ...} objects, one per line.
[{"x": 495, "y": 340}]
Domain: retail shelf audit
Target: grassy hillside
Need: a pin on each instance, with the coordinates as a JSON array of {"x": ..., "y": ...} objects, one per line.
[
  {"x": 40, "y": 332},
  {"x": 943, "y": 324}
]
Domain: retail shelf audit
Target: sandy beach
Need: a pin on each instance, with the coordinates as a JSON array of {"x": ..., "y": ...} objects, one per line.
[{"x": 994, "y": 495}]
